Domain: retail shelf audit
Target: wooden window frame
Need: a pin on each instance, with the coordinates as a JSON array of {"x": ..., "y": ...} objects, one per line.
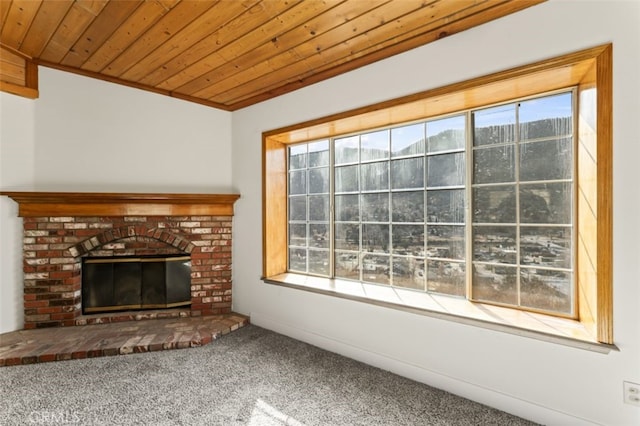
[{"x": 589, "y": 70}]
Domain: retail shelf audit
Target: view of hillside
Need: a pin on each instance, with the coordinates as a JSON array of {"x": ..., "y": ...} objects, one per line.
[{"x": 399, "y": 208}]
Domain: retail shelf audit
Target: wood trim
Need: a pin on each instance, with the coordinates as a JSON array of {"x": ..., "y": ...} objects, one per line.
[
  {"x": 15, "y": 52},
  {"x": 42, "y": 204},
  {"x": 274, "y": 207},
  {"x": 586, "y": 204},
  {"x": 15, "y": 89},
  {"x": 604, "y": 132},
  {"x": 31, "y": 76}
]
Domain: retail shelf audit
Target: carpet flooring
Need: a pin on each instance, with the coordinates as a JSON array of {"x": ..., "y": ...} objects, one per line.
[{"x": 249, "y": 377}]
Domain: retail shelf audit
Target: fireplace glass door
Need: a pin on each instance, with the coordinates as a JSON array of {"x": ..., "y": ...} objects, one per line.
[{"x": 125, "y": 283}]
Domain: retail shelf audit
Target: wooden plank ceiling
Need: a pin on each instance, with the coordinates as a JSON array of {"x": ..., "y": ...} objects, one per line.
[{"x": 230, "y": 54}]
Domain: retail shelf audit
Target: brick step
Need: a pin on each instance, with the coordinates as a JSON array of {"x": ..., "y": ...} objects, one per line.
[{"x": 118, "y": 338}]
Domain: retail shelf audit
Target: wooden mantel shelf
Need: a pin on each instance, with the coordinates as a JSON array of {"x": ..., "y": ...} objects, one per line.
[{"x": 39, "y": 204}]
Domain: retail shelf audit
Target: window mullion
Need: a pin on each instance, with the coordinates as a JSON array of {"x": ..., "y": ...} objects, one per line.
[
  {"x": 307, "y": 203},
  {"x": 468, "y": 217},
  {"x": 360, "y": 225},
  {"x": 516, "y": 160},
  {"x": 332, "y": 255}
]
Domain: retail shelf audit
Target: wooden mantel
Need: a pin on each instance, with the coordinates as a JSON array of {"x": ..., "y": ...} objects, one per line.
[{"x": 39, "y": 204}]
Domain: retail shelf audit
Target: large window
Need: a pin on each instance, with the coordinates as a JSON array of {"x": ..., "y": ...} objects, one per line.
[
  {"x": 487, "y": 200},
  {"x": 400, "y": 194}
]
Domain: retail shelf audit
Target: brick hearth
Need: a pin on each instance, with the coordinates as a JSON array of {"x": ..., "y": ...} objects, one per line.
[{"x": 67, "y": 343}]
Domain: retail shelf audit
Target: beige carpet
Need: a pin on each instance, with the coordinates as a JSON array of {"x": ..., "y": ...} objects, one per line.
[{"x": 249, "y": 377}]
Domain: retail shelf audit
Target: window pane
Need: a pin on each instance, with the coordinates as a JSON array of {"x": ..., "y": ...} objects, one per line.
[
  {"x": 495, "y": 164},
  {"x": 407, "y": 206},
  {"x": 494, "y": 125},
  {"x": 546, "y": 203},
  {"x": 495, "y": 283},
  {"x": 347, "y": 236},
  {"x": 375, "y": 268},
  {"x": 347, "y": 208},
  {"x": 319, "y": 153},
  {"x": 545, "y": 246},
  {"x": 319, "y": 262},
  {"x": 374, "y": 146},
  {"x": 319, "y": 180},
  {"x": 298, "y": 182},
  {"x": 298, "y": 208},
  {"x": 408, "y": 272},
  {"x": 347, "y": 265},
  {"x": 408, "y": 239},
  {"x": 445, "y": 170},
  {"x": 446, "y": 277},
  {"x": 375, "y": 238},
  {"x": 446, "y": 134},
  {"x": 494, "y": 244},
  {"x": 407, "y": 173},
  {"x": 445, "y": 205},
  {"x": 297, "y": 157},
  {"x": 546, "y": 160},
  {"x": 346, "y": 149},
  {"x": 319, "y": 207},
  {"x": 298, "y": 260},
  {"x": 445, "y": 242},
  {"x": 546, "y": 117},
  {"x": 375, "y": 207},
  {"x": 346, "y": 179},
  {"x": 546, "y": 290},
  {"x": 495, "y": 204},
  {"x": 298, "y": 234},
  {"x": 407, "y": 140},
  {"x": 319, "y": 235},
  {"x": 375, "y": 176}
]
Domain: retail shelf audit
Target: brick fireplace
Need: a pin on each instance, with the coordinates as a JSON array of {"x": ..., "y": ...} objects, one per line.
[{"x": 60, "y": 229}]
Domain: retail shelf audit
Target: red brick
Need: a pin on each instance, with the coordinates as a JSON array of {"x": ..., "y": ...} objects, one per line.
[
  {"x": 79, "y": 354},
  {"x": 50, "y": 310},
  {"x": 49, "y": 226},
  {"x": 36, "y": 304},
  {"x": 61, "y": 274},
  {"x": 46, "y": 357},
  {"x": 46, "y": 268},
  {"x": 48, "y": 240},
  {"x": 49, "y": 253},
  {"x": 13, "y": 361},
  {"x": 62, "y": 316}
]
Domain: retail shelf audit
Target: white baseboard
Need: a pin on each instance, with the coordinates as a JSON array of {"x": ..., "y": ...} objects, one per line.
[{"x": 492, "y": 398}]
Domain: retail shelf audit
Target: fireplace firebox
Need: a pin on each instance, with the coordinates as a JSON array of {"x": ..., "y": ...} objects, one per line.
[{"x": 125, "y": 283}]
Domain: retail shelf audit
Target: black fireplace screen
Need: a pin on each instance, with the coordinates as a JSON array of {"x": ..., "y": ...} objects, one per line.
[{"x": 126, "y": 283}]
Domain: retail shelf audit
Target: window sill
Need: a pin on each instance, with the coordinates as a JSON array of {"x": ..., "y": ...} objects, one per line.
[{"x": 537, "y": 326}]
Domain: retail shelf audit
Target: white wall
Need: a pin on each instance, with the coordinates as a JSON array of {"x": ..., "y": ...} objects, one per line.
[
  {"x": 89, "y": 135},
  {"x": 93, "y": 135},
  {"x": 541, "y": 381},
  {"x": 17, "y": 147}
]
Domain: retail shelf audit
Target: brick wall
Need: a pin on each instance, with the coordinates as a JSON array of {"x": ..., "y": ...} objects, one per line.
[{"x": 54, "y": 248}]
